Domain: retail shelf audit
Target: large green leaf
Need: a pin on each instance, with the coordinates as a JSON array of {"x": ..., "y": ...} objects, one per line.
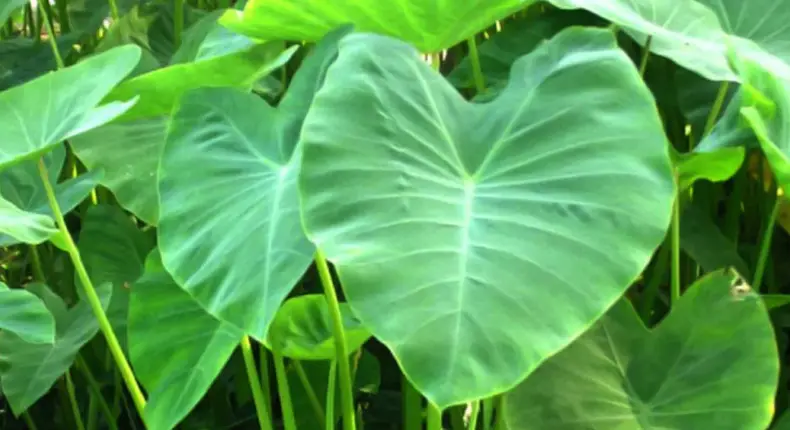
[
  {"x": 240, "y": 156},
  {"x": 431, "y": 25},
  {"x": 27, "y": 371},
  {"x": 177, "y": 364},
  {"x": 452, "y": 224},
  {"x": 161, "y": 89},
  {"x": 113, "y": 250},
  {"x": 683, "y": 30},
  {"x": 40, "y": 114},
  {"x": 21, "y": 185},
  {"x": 710, "y": 364},
  {"x": 24, "y": 314},
  {"x": 129, "y": 152},
  {"x": 302, "y": 329}
]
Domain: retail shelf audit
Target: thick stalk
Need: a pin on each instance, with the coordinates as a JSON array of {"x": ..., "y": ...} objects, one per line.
[
  {"x": 38, "y": 270},
  {"x": 412, "y": 405},
  {"x": 263, "y": 368},
  {"x": 75, "y": 408},
  {"x": 51, "y": 37},
  {"x": 434, "y": 417},
  {"x": 308, "y": 388},
  {"x": 500, "y": 413},
  {"x": 330, "y": 397},
  {"x": 264, "y": 419},
  {"x": 765, "y": 245},
  {"x": 339, "y": 335},
  {"x": 645, "y": 56},
  {"x": 477, "y": 70},
  {"x": 284, "y": 391},
  {"x": 114, "y": 14},
  {"x": 675, "y": 243},
  {"x": 472, "y": 425},
  {"x": 93, "y": 298},
  {"x": 488, "y": 412}
]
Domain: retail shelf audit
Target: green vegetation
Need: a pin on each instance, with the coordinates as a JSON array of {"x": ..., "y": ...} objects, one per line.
[{"x": 416, "y": 214}]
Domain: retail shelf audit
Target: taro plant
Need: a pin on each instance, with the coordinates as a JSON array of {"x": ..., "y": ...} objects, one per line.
[{"x": 302, "y": 214}]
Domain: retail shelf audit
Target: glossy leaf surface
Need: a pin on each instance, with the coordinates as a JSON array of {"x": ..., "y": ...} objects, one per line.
[
  {"x": 40, "y": 114},
  {"x": 428, "y": 196},
  {"x": 302, "y": 329},
  {"x": 431, "y": 25},
  {"x": 24, "y": 314},
  {"x": 177, "y": 364},
  {"x": 710, "y": 364}
]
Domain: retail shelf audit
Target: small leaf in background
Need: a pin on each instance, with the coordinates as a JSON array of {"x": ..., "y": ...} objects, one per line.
[
  {"x": 716, "y": 166},
  {"x": 176, "y": 348},
  {"x": 302, "y": 329},
  {"x": 207, "y": 39},
  {"x": 160, "y": 89},
  {"x": 25, "y": 315},
  {"x": 428, "y": 197},
  {"x": 240, "y": 155},
  {"x": 113, "y": 251},
  {"x": 28, "y": 371},
  {"x": 21, "y": 185},
  {"x": 22, "y": 60},
  {"x": 40, "y": 114},
  {"x": 703, "y": 241},
  {"x": 129, "y": 153},
  {"x": 431, "y": 25},
  {"x": 710, "y": 364}
]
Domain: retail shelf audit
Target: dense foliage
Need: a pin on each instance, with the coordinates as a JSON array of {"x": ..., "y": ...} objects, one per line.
[{"x": 469, "y": 214}]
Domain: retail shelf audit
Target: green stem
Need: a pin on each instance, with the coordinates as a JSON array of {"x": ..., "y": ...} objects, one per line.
[
  {"x": 31, "y": 425},
  {"x": 330, "y": 396},
  {"x": 263, "y": 368},
  {"x": 339, "y": 335},
  {"x": 434, "y": 417},
  {"x": 52, "y": 38},
  {"x": 178, "y": 22},
  {"x": 63, "y": 16},
  {"x": 765, "y": 245},
  {"x": 308, "y": 388},
  {"x": 716, "y": 109},
  {"x": 92, "y": 297},
  {"x": 675, "y": 243},
  {"x": 488, "y": 412},
  {"x": 412, "y": 405},
  {"x": 477, "y": 70},
  {"x": 38, "y": 271},
  {"x": 284, "y": 391},
  {"x": 75, "y": 408},
  {"x": 255, "y": 385},
  {"x": 500, "y": 413},
  {"x": 645, "y": 56},
  {"x": 96, "y": 391},
  {"x": 473, "y": 417},
  {"x": 114, "y": 14},
  {"x": 651, "y": 290}
]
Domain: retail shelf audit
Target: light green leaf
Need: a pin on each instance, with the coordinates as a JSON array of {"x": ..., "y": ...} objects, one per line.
[
  {"x": 113, "y": 250},
  {"x": 24, "y": 314},
  {"x": 40, "y": 114},
  {"x": 684, "y": 31},
  {"x": 715, "y": 166},
  {"x": 208, "y": 39},
  {"x": 7, "y": 7},
  {"x": 129, "y": 151},
  {"x": 21, "y": 185},
  {"x": 420, "y": 198},
  {"x": 431, "y": 25},
  {"x": 161, "y": 89},
  {"x": 28, "y": 371},
  {"x": 710, "y": 364},
  {"x": 302, "y": 329},
  {"x": 178, "y": 364},
  {"x": 240, "y": 156},
  {"x": 23, "y": 226}
]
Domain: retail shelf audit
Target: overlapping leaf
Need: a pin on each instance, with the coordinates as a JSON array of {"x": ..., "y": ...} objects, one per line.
[
  {"x": 40, "y": 114},
  {"x": 240, "y": 156},
  {"x": 431, "y": 25},
  {"x": 24, "y": 314},
  {"x": 427, "y": 197},
  {"x": 177, "y": 364},
  {"x": 710, "y": 364}
]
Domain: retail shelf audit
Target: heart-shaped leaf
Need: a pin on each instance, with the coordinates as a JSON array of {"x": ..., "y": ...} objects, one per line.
[
  {"x": 40, "y": 114},
  {"x": 24, "y": 314},
  {"x": 420, "y": 198},
  {"x": 28, "y": 371},
  {"x": 161, "y": 89},
  {"x": 710, "y": 364},
  {"x": 431, "y": 25},
  {"x": 240, "y": 155},
  {"x": 178, "y": 364},
  {"x": 302, "y": 329},
  {"x": 21, "y": 185}
]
